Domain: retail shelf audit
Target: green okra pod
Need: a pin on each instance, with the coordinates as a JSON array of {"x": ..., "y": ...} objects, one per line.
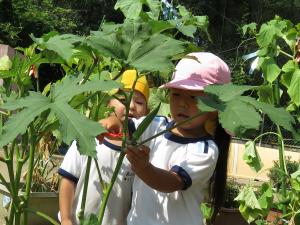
[{"x": 144, "y": 124}]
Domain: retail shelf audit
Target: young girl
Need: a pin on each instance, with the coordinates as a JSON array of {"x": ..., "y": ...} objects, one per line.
[
  {"x": 73, "y": 167},
  {"x": 176, "y": 171}
]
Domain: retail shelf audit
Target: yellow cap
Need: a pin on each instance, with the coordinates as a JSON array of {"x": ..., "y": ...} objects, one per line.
[{"x": 128, "y": 78}]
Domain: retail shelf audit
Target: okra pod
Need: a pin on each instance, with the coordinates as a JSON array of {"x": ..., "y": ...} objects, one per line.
[{"x": 144, "y": 124}]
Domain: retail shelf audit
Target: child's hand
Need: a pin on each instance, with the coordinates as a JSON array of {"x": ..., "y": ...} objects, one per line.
[
  {"x": 138, "y": 157},
  {"x": 112, "y": 124}
]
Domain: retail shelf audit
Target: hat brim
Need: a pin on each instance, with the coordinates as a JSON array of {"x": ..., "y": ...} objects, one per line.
[{"x": 185, "y": 84}]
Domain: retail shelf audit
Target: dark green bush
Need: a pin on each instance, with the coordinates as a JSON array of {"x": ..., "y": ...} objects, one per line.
[{"x": 274, "y": 172}]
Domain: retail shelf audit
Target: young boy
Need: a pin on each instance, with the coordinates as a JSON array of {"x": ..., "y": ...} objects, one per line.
[{"x": 73, "y": 167}]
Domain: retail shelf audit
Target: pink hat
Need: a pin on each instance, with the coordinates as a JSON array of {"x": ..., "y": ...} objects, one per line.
[{"x": 198, "y": 70}]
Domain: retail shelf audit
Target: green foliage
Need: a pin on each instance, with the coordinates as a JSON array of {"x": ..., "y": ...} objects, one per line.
[
  {"x": 253, "y": 207},
  {"x": 23, "y": 17},
  {"x": 144, "y": 124},
  {"x": 274, "y": 172},
  {"x": 251, "y": 156},
  {"x": 232, "y": 191},
  {"x": 239, "y": 113},
  {"x": 132, "y": 9},
  {"x": 74, "y": 126}
]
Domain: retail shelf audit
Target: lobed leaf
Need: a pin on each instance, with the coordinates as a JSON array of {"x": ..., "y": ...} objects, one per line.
[
  {"x": 239, "y": 117},
  {"x": 75, "y": 126},
  {"x": 277, "y": 115},
  {"x": 18, "y": 123},
  {"x": 251, "y": 157},
  {"x": 227, "y": 92}
]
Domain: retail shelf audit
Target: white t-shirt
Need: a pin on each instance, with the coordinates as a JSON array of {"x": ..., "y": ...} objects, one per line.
[
  {"x": 193, "y": 159},
  {"x": 73, "y": 167}
]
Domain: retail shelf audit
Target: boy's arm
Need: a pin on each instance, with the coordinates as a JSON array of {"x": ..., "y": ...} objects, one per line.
[
  {"x": 158, "y": 179},
  {"x": 66, "y": 197}
]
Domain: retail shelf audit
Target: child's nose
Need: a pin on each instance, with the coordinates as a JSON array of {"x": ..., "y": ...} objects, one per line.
[
  {"x": 182, "y": 102},
  {"x": 131, "y": 106}
]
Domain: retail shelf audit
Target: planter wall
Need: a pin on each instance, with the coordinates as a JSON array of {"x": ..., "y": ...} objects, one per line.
[{"x": 45, "y": 202}]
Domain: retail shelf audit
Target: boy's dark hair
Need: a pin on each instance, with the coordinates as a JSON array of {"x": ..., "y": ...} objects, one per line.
[{"x": 218, "y": 181}]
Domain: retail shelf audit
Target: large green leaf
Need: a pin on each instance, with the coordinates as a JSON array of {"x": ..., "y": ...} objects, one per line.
[
  {"x": 107, "y": 44},
  {"x": 277, "y": 115},
  {"x": 187, "y": 30},
  {"x": 270, "y": 69},
  {"x": 266, "y": 197},
  {"x": 61, "y": 44},
  {"x": 17, "y": 124},
  {"x": 130, "y": 8},
  {"x": 294, "y": 88},
  {"x": 154, "y": 54},
  {"x": 251, "y": 157},
  {"x": 238, "y": 117},
  {"x": 133, "y": 8},
  {"x": 288, "y": 69},
  {"x": 70, "y": 87},
  {"x": 268, "y": 32},
  {"x": 227, "y": 92},
  {"x": 75, "y": 126},
  {"x": 5, "y": 63}
]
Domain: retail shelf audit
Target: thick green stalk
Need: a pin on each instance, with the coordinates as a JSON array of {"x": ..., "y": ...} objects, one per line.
[
  {"x": 276, "y": 95},
  {"x": 29, "y": 172},
  {"x": 107, "y": 193},
  {"x": 120, "y": 159},
  {"x": 85, "y": 187},
  {"x": 15, "y": 212},
  {"x": 283, "y": 174}
]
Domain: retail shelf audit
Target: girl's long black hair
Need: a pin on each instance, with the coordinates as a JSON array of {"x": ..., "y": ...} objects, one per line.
[{"x": 218, "y": 181}]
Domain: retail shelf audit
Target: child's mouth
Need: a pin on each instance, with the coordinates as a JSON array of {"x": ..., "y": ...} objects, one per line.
[{"x": 182, "y": 116}]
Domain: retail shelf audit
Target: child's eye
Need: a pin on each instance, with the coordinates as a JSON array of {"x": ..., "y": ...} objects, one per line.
[
  {"x": 193, "y": 97},
  {"x": 139, "y": 102}
]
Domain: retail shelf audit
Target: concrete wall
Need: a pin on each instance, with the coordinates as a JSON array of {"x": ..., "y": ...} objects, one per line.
[{"x": 239, "y": 169}]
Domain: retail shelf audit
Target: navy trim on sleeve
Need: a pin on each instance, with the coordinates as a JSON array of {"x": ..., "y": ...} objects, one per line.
[
  {"x": 205, "y": 147},
  {"x": 111, "y": 146},
  {"x": 185, "y": 177},
  {"x": 67, "y": 175}
]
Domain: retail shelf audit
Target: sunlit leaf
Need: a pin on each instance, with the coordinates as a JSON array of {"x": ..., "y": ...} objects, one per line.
[
  {"x": 294, "y": 88},
  {"x": 17, "y": 124},
  {"x": 251, "y": 156},
  {"x": 5, "y": 63},
  {"x": 270, "y": 69},
  {"x": 227, "y": 92},
  {"x": 238, "y": 117},
  {"x": 75, "y": 126},
  {"x": 70, "y": 87},
  {"x": 277, "y": 115}
]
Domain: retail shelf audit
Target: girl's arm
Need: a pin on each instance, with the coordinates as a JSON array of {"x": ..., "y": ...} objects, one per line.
[
  {"x": 158, "y": 179},
  {"x": 66, "y": 197}
]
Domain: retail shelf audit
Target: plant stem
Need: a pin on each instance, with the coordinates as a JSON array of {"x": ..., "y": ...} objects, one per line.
[
  {"x": 286, "y": 54},
  {"x": 169, "y": 129},
  {"x": 43, "y": 215},
  {"x": 107, "y": 193},
  {"x": 120, "y": 159},
  {"x": 282, "y": 168},
  {"x": 102, "y": 183},
  {"x": 85, "y": 187},
  {"x": 276, "y": 95},
  {"x": 29, "y": 172}
]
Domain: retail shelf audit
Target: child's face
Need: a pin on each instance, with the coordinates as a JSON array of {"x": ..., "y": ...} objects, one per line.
[
  {"x": 138, "y": 107},
  {"x": 183, "y": 105}
]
